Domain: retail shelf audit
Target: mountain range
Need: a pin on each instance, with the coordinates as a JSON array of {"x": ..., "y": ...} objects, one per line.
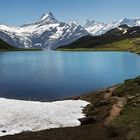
[
  {"x": 122, "y": 38},
  {"x": 98, "y": 28},
  {"x": 46, "y": 33},
  {"x": 49, "y": 33}
]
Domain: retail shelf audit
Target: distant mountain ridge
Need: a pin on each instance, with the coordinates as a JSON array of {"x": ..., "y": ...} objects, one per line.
[
  {"x": 98, "y": 28},
  {"x": 122, "y": 32},
  {"x": 49, "y": 33}
]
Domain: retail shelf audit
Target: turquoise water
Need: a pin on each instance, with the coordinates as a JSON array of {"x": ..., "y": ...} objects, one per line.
[{"x": 53, "y": 75}]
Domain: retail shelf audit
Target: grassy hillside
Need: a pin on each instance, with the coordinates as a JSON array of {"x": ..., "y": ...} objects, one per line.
[
  {"x": 132, "y": 45},
  {"x": 130, "y": 115}
]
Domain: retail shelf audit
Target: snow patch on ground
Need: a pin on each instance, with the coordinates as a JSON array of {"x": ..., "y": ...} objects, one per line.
[{"x": 18, "y": 116}]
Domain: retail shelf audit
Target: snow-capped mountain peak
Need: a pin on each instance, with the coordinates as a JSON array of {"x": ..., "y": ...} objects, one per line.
[
  {"x": 48, "y": 17},
  {"x": 91, "y": 23},
  {"x": 93, "y": 27},
  {"x": 98, "y": 28},
  {"x": 124, "y": 20},
  {"x": 129, "y": 22},
  {"x": 88, "y": 23},
  {"x": 74, "y": 23}
]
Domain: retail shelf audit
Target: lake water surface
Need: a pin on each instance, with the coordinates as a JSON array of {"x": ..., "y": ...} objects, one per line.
[{"x": 53, "y": 75}]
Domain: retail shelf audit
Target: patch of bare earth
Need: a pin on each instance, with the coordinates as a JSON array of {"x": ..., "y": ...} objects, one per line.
[{"x": 115, "y": 110}]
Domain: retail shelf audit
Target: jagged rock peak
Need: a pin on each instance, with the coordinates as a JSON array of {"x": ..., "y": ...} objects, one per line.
[{"x": 49, "y": 17}]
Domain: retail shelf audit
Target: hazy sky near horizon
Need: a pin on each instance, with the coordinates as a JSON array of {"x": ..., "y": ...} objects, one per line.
[{"x": 18, "y": 12}]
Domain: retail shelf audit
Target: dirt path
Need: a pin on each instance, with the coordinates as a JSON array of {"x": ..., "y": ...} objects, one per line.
[
  {"x": 109, "y": 91},
  {"x": 115, "y": 110}
]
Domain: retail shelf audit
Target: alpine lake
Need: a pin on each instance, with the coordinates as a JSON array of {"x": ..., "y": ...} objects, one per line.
[{"x": 53, "y": 75}]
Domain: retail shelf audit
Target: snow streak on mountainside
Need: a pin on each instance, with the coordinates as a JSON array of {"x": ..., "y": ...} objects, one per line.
[
  {"x": 47, "y": 32},
  {"x": 98, "y": 28}
]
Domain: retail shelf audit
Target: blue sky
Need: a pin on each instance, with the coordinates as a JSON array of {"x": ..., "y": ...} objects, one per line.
[{"x": 18, "y": 12}]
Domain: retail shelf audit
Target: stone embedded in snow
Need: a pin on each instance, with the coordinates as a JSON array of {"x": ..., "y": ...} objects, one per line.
[{"x": 18, "y": 116}]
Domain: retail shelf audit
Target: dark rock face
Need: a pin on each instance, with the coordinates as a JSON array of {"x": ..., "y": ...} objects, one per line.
[
  {"x": 87, "y": 120},
  {"x": 5, "y": 46}
]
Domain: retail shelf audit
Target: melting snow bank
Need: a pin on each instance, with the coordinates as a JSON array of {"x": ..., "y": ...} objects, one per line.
[{"x": 19, "y": 116}]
